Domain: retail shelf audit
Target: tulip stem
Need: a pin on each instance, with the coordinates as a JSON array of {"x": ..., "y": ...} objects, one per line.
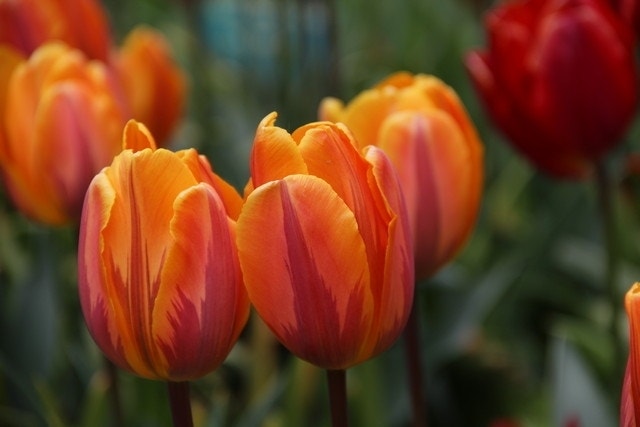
[
  {"x": 606, "y": 204},
  {"x": 180, "y": 404},
  {"x": 414, "y": 364},
  {"x": 338, "y": 397},
  {"x": 114, "y": 392}
]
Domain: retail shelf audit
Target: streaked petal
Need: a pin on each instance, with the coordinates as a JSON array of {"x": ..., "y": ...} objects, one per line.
[
  {"x": 304, "y": 232},
  {"x": 438, "y": 176},
  {"x": 395, "y": 296},
  {"x": 201, "y": 305}
]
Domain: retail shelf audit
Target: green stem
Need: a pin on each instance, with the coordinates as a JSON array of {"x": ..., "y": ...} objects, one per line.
[
  {"x": 338, "y": 397},
  {"x": 606, "y": 205},
  {"x": 414, "y": 364},
  {"x": 180, "y": 404},
  {"x": 114, "y": 393}
]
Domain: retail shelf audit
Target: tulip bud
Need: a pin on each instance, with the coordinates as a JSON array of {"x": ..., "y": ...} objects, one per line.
[
  {"x": 159, "y": 278},
  {"x": 559, "y": 80},
  {"x": 422, "y": 126},
  {"x": 62, "y": 124},
  {"x": 324, "y": 244},
  {"x": 154, "y": 86}
]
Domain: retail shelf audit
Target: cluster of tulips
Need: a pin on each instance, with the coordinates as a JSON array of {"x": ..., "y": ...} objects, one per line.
[{"x": 339, "y": 218}]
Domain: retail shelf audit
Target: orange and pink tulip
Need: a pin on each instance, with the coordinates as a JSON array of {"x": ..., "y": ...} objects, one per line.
[
  {"x": 159, "y": 277},
  {"x": 324, "y": 244},
  {"x": 421, "y": 124},
  {"x": 62, "y": 124}
]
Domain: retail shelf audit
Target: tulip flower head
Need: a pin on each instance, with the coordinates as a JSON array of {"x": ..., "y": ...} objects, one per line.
[
  {"x": 324, "y": 244},
  {"x": 420, "y": 123},
  {"x": 559, "y": 79},
  {"x": 159, "y": 279},
  {"x": 61, "y": 125}
]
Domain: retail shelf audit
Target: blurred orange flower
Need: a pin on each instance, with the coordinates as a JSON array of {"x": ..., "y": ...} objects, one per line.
[
  {"x": 61, "y": 118},
  {"x": 324, "y": 244},
  {"x": 153, "y": 84},
  {"x": 62, "y": 124},
  {"x": 159, "y": 278},
  {"x": 82, "y": 24},
  {"x": 421, "y": 124}
]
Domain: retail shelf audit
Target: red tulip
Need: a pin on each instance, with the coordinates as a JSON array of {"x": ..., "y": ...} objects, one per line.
[
  {"x": 159, "y": 278},
  {"x": 62, "y": 124},
  {"x": 324, "y": 244},
  {"x": 420, "y": 123},
  {"x": 559, "y": 79},
  {"x": 630, "y": 12},
  {"x": 82, "y": 24}
]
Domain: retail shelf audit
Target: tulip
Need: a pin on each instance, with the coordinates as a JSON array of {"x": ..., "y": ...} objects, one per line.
[
  {"x": 82, "y": 24},
  {"x": 629, "y": 10},
  {"x": 62, "y": 124},
  {"x": 422, "y": 126},
  {"x": 630, "y": 402},
  {"x": 559, "y": 79},
  {"x": 324, "y": 244},
  {"x": 154, "y": 86},
  {"x": 159, "y": 279}
]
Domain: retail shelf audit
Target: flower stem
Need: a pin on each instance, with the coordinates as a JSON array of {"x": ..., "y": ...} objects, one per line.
[
  {"x": 414, "y": 363},
  {"x": 606, "y": 205},
  {"x": 338, "y": 397},
  {"x": 180, "y": 404},
  {"x": 114, "y": 392}
]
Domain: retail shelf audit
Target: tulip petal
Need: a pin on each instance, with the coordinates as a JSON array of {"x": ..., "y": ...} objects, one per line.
[
  {"x": 438, "y": 196},
  {"x": 201, "y": 170},
  {"x": 632, "y": 306},
  {"x": 274, "y": 154},
  {"x": 318, "y": 304},
  {"x": 137, "y": 137},
  {"x": 200, "y": 282},
  {"x": 395, "y": 296},
  {"x": 135, "y": 241}
]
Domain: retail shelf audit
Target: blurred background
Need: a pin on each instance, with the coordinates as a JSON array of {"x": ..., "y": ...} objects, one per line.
[{"x": 514, "y": 331}]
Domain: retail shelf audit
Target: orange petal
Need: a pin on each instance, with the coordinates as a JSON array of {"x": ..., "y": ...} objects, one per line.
[
  {"x": 632, "y": 305},
  {"x": 329, "y": 153},
  {"x": 305, "y": 268},
  {"x": 435, "y": 169},
  {"x": 201, "y": 170},
  {"x": 155, "y": 86},
  {"x": 201, "y": 305},
  {"x": 274, "y": 154},
  {"x": 137, "y": 137},
  {"x": 395, "y": 295}
]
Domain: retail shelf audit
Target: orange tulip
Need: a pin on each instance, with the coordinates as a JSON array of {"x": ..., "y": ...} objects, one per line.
[
  {"x": 82, "y": 24},
  {"x": 62, "y": 124},
  {"x": 153, "y": 84},
  {"x": 159, "y": 278},
  {"x": 324, "y": 244},
  {"x": 422, "y": 126},
  {"x": 630, "y": 402}
]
